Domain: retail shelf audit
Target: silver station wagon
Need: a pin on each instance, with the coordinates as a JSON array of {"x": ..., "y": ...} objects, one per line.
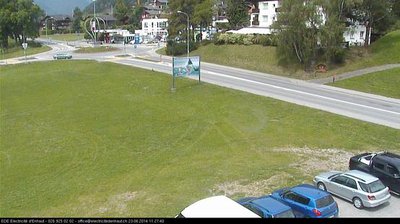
[{"x": 363, "y": 189}]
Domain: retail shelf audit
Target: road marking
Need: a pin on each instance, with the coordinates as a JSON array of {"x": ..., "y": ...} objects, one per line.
[{"x": 297, "y": 91}]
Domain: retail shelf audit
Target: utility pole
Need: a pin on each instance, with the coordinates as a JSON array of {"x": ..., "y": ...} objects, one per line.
[{"x": 187, "y": 34}]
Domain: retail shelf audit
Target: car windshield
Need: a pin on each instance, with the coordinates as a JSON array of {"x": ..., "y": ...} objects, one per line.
[
  {"x": 325, "y": 201},
  {"x": 285, "y": 214}
]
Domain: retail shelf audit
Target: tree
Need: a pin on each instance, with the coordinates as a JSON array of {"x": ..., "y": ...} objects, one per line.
[
  {"x": 77, "y": 19},
  {"x": 298, "y": 29},
  {"x": 136, "y": 17},
  {"x": 237, "y": 13},
  {"x": 377, "y": 16},
  {"x": 19, "y": 20},
  {"x": 121, "y": 12},
  {"x": 5, "y": 23},
  {"x": 203, "y": 14}
]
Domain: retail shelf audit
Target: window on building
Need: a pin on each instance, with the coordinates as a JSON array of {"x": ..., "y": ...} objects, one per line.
[
  {"x": 264, "y": 5},
  {"x": 265, "y": 18},
  {"x": 146, "y": 25}
]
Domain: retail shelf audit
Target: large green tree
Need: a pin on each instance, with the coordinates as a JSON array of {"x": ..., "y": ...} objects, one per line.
[
  {"x": 19, "y": 19},
  {"x": 237, "y": 14},
  {"x": 298, "y": 29},
  {"x": 377, "y": 15},
  {"x": 202, "y": 16},
  {"x": 77, "y": 20},
  {"x": 122, "y": 12}
]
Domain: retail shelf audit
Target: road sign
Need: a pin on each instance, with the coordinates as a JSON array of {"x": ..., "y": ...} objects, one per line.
[{"x": 24, "y": 45}]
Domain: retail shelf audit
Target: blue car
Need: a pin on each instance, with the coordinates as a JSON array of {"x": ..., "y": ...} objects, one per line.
[
  {"x": 267, "y": 207},
  {"x": 308, "y": 201}
]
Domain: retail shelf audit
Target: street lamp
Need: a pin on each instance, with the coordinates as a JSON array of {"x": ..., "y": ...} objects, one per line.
[
  {"x": 187, "y": 34},
  {"x": 94, "y": 17}
]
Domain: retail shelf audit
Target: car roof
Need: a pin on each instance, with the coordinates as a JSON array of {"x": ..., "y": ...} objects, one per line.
[
  {"x": 392, "y": 158},
  {"x": 217, "y": 207},
  {"x": 272, "y": 205},
  {"x": 360, "y": 175},
  {"x": 309, "y": 191}
]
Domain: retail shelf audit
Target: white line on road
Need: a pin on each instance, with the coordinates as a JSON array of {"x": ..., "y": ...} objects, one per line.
[{"x": 297, "y": 91}]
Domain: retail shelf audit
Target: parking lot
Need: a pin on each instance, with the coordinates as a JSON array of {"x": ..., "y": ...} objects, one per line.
[{"x": 389, "y": 209}]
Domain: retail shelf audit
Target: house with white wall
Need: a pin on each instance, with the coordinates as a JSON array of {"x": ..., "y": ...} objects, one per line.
[
  {"x": 154, "y": 27},
  {"x": 262, "y": 17}
]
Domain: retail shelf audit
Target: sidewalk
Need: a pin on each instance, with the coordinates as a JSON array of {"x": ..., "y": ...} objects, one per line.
[{"x": 355, "y": 73}]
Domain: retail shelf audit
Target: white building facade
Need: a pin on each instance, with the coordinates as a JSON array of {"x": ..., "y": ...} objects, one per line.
[{"x": 154, "y": 27}]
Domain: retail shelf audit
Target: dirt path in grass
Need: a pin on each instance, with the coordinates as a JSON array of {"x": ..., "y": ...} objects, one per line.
[{"x": 355, "y": 73}]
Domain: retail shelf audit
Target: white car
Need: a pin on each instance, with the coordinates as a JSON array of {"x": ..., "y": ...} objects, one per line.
[{"x": 216, "y": 207}]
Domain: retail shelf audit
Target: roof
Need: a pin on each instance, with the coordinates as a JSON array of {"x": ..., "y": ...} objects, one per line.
[
  {"x": 272, "y": 205},
  {"x": 309, "y": 191},
  {"x": 368, "y": 178},
  {"x": 391, "y": 158},
  {"x": 217, "y": 207}
]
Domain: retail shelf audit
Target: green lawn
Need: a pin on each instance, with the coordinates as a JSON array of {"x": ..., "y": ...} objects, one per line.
[
  {"x": 65, "y": 37},
  {"x": 17, "y": 51},
  {"x": 88, "y": 50},
  {"x": 385, "y": 83},
  {"x": 90, "y": 139}
]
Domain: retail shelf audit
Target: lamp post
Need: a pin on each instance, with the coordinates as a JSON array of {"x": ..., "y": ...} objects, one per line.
[
  {"x": 94, "y": 17},
  {"x": 187, "y": 34}
]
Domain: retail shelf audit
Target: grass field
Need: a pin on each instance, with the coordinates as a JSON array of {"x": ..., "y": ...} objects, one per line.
[
  {"x": 385, "y": 83},
  {"x": 65, "y": 37},
  {"x": 89, "y": 50},
  {"x": 17, "y": 51},
  {"x": 90, "y": 139}
]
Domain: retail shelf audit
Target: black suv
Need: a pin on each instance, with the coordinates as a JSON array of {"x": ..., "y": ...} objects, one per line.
[{"x": 385, "y": 166}]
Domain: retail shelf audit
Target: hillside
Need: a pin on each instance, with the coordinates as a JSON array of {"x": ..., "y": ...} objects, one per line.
[
  {"x": 263, "y": 59},
  {"x": 57, "y": 7},
  {"x": 105, "y": 6}
]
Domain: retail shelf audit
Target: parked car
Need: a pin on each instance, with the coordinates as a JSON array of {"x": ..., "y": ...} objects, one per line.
[
  {"x": 267, "y": 207},
  {"x": 384, "y": 165},
  {"x": 216, "y": 207},
  {"x": 62, "y": 56},
  {"x": 308, "y": 201},
  {"x": 361, "y": 188}
]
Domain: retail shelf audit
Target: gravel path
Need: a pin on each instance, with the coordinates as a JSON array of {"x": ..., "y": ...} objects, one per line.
[{"x": 355, "y": 73}]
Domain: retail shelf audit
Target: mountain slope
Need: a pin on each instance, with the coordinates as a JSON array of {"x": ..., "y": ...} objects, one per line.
[{"x": 57, "y": 7}]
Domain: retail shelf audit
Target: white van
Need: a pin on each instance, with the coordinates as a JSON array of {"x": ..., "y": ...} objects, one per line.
[{"x": 216, "y": 207}]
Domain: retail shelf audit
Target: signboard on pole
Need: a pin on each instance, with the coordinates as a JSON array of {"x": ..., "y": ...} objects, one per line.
[
  {"x": 186, "y": 66},
  {"x": 24, "y": 45}
]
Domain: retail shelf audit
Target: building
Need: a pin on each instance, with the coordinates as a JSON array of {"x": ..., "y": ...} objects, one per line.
[
  {"x": 152, "y": 28},
  {"x": 57, "y": 23},
  {"x": 265, "y": 13}
]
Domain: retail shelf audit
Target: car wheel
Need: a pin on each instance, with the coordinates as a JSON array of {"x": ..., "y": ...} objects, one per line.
[
  {"x": 321, "y": 186},
  {"x": 357, "y": 203}
]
